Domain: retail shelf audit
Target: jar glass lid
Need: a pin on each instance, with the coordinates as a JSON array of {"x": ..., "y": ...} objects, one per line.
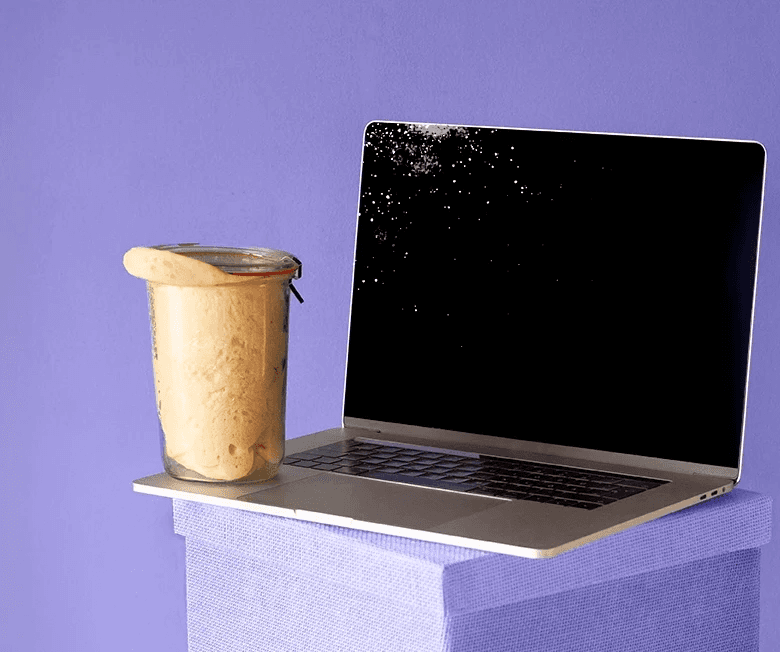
[{"x": 240, "y": 260}]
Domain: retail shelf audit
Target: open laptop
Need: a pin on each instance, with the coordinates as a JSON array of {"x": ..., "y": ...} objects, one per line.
[{"x": 549, "y": 339}]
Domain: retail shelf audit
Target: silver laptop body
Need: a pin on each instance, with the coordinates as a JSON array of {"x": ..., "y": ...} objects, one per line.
[{"x": 541, "y": 300}]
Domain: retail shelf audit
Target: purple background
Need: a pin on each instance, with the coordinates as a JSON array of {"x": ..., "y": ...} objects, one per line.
[{"x": 138, "y": 123}]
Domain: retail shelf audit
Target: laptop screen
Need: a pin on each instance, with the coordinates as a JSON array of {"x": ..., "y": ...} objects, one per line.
[{"x": 587, "y": 290}]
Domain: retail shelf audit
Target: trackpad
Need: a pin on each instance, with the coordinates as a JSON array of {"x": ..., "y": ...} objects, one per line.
[{"x": 373, "y": 501}]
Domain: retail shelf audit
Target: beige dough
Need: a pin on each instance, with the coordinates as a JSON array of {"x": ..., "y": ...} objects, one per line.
[
  {"x": 220, "y": 374},
  {"x": 170, "y": 268}
]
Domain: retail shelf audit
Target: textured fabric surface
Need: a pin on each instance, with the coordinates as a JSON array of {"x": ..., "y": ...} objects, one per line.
[
  {"x": 238, "y": 604},
  {"x": 711, "y": 605},
  {"x": 687, "y": 581}
]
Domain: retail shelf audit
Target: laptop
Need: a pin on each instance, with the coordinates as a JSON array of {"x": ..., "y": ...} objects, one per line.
[{"x": 549, "y": 339}]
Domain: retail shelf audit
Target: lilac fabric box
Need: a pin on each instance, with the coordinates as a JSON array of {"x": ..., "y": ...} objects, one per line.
[{"x": 688, "y": 581}]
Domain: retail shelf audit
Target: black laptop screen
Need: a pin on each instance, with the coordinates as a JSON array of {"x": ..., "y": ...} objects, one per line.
[{"x": 587, "y": 290}]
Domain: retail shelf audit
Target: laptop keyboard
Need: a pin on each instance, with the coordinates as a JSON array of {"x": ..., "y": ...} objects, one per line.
[{"x": 483, "y": 475}]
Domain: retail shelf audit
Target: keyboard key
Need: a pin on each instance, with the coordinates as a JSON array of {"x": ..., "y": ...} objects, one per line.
[
  {"x": 394, "y": 463},
  {"x": 515, "y": 495},
  {"x": 373, "y": 460},
  {"x": 502, "y": 473},
  {"x": 304, "y": 456},
  {"x": 351, "y": 470},
  {"x": 597, "y": 500},
  {"x": 500, "y": 488},
  {"x": 386, "y": 469},
  {"x": 371, "y": 467},
  {"x": 480, "y": 491},
  {"x": 326, "y": 467},
  {"x": 566, "y": 493}
]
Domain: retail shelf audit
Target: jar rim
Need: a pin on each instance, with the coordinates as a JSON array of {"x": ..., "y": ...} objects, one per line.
[{"x": 255, "y": 261}]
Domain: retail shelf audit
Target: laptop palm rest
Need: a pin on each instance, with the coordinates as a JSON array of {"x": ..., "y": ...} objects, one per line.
[{"x": 373, "y": 501}]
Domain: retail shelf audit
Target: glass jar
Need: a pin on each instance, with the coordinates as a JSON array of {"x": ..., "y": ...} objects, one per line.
[{"x": 220, "y": 366}]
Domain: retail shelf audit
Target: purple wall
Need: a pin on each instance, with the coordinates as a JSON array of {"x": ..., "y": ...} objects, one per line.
[{"x": 131, "y": 123}]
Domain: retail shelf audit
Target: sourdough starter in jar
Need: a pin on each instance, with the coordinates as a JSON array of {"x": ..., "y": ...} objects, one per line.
[{"x": 220, "y": 370}]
